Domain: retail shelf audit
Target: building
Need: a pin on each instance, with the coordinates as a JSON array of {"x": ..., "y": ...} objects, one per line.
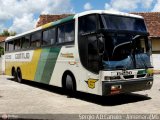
[
  {"x": 2, "y": 41},
  {"x": 44, "y": 19},
  {"x": 152, "y": 20}
]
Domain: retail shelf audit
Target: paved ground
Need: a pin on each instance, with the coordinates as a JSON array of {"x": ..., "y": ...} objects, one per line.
[{"x": 33, "y": 98}]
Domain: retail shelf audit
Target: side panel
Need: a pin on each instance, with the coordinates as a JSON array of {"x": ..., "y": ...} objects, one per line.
[
  {"x": 46, "y": 64},
  {"x": 68, "y": 60},
  {"x": 26, "y": 60}
]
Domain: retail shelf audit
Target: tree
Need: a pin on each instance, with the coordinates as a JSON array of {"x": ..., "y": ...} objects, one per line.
[
  {"x": 1, "y": 51},
  {"x": 8, "y": 33}
]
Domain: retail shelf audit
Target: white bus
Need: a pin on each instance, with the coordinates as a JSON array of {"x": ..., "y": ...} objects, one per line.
[{"x": 97, "y": 52}]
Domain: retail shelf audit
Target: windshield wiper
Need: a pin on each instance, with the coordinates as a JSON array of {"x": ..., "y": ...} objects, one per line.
[{"x": 121, "y": 44}]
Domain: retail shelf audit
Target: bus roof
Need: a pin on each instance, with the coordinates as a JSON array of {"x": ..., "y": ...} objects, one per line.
[
  {"x": 110, "y": 12},
  {"x": 73, "y": 17}
]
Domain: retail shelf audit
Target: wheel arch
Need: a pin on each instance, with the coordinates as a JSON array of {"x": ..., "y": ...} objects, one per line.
[
  {"x": 13, "y": 70},
  {"x": 19, "y": 70},
  {"x": 68, "y": 72}
]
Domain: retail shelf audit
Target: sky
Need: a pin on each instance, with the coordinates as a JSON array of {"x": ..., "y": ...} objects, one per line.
[{"x": 22, "y": 15}]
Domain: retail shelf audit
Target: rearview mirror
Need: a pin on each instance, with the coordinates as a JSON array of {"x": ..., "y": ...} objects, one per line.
[{"x": 101, "y": 43}]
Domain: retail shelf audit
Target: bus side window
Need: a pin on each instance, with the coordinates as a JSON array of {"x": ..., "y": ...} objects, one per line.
[
  {"x": 66, "y": 32},
  {"x": 49, "y": 37},
  {"x": 11, "y": 45},
  {"x": 61, "y": 34},
  {"x": 88, "y": 24},
  {"x": 69, "y": 32},
  {"x": 17, "y": 44},
  {"x": 6, "y": 46},
  {"x": 36, "y": 39},
  {"x": 25, "y": 42},
  {"x": 88, "y": 44}
]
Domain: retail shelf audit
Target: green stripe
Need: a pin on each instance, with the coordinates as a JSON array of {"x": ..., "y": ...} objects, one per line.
[
  {"x": 63, "y": 20},
  {"x": 41, "y": 64},
  {"x": 49, "y": 65}
]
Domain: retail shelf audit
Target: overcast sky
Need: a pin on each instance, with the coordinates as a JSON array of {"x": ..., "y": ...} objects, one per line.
[{"x": 22, "y": 15}]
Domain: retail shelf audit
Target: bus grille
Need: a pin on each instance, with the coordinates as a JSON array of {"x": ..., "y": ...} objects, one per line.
[{"x": 128, "y": 76}]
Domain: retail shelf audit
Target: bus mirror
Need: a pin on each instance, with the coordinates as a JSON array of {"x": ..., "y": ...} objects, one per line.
[{"x": 101, "y": 44}]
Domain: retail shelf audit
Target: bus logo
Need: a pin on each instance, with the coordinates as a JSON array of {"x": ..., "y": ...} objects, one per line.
[
  {"x": 91, "y": 83},
  {"x": 124, "y": 72},
  {"x": 67, "y": 55}
]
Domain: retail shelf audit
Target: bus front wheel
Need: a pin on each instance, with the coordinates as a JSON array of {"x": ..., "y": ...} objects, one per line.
[{"x": 70, "y": 84}]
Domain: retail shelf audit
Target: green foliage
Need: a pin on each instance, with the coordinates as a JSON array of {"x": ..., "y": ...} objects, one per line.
[
  {"x": 1, "y": 51},
  {"x": 8, "y": 33}
]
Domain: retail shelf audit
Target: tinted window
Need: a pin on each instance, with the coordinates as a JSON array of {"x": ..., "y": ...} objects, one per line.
[
  {"x": 17, "y": 44},
  {"x": 61, "y": 34},
  {"x": 25, "y": 41},
  {"x": 93, "y": 58},
  {"x": 49, "y": 37},
  {"x": 66, "y": 32},
  {"x": 11, "y": 45},
  {"x": 6, "y": 46},
  {"x": 87, "y": 24},
  {"x": 36, "y": 39},
  {"x": 69, "y": 32},
  {"x": 88, "y": 44},
  {"x": 124, "y": 23}
]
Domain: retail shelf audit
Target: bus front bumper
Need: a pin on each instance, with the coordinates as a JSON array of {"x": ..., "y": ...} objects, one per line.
[{"x": 125, "y": 86}]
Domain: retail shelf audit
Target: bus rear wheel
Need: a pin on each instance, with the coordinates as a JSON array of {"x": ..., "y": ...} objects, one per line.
[
  {"x": 19, "y": 75},
  {"x": 70, "y": 85},
  {"x": 15, "y": 76}
]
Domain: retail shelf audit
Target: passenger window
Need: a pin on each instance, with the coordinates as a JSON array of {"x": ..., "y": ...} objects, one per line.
[
  {"x": 66, "y": 32},
  {"x": 36, "y": 39},
  {"x": 61, "y": 34},
  {"x": 87, "y": 24},
  {"x": 25, "y": 42},
  {"x": 69, "y": 32},
  {"x": 49, "y": 37},
  {"x": 6, "y": 46},
  {"x": 17, "y": 44},
  {"x": 11, "y": 45}
]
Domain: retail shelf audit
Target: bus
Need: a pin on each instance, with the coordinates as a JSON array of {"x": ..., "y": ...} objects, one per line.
[{"x": 97, "y": 52}]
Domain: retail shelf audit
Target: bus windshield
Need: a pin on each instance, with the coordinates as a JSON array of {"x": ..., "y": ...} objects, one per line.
[
  {"x": 124, "y": 23},
  {"x": 122, "y": 51},
  {"x": 125, "y": 50}
]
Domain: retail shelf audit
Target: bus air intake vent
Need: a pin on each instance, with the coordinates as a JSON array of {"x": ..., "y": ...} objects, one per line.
[
  {"x": 128, "y": 76},
  {"x": 141, "y": 75}
]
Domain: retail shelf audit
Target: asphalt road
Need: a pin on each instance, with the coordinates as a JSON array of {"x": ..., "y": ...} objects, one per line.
[{"x": 34, "y": 98}]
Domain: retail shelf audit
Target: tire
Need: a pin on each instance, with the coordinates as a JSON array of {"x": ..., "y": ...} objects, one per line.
[
  {"x": 19, "y": 76},
  {"x": 15, "y": 76},
  {"x": 70, "y": 85}
]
